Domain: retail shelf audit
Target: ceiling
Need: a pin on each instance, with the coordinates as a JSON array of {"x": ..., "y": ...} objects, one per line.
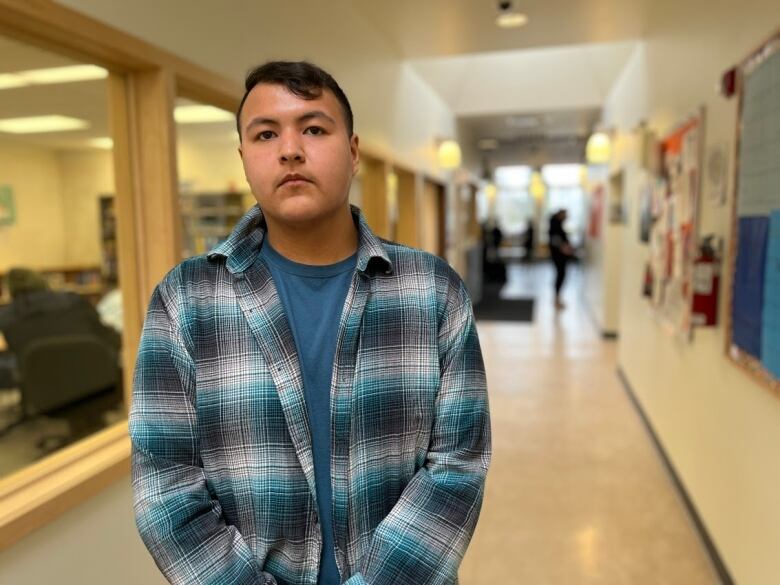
[{"x": 439, "y": 28}]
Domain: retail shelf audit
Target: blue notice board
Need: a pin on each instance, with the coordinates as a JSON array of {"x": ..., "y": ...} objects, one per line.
[{"x": 755, "y": 299}]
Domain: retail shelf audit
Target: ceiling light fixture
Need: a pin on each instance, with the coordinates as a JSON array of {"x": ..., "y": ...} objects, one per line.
[
  {"x": 104, "y": 143},
  {"x": 52, "y": 75},
  {"x": 449, "y": 154},
  {"x": 508, "y": 18},
  {"x": 198, "y": 114},
  {"x": 487, "y": 144},
  {"x": 41, "y": 124}
]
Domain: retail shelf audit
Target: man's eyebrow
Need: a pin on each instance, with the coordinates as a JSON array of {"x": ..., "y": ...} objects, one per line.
[{"x": 303, "y": 118}]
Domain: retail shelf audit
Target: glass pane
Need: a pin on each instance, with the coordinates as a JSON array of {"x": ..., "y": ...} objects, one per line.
[
  {"x": 213, "y": 192},
  {"x": 60, "y": 302}
]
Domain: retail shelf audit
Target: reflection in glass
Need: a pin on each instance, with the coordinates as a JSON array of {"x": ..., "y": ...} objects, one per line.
[
  {"x": 212, "y": 188},
  {"x": 60, "y": 301}
]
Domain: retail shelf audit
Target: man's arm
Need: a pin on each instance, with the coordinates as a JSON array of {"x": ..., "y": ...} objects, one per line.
[
  {"x": 179, "y": 522},
  {"x": 424, "y": 538}
]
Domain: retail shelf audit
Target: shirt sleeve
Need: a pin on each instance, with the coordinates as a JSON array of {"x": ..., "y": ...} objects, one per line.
[
  {"x": 424, "y": 538},
  {"x": 179, "y": 521}
]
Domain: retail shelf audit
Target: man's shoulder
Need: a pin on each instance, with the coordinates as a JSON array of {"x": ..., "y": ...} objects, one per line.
[
  {"x": 421, "y": 267},
  {"x": 192, "y": 273}
]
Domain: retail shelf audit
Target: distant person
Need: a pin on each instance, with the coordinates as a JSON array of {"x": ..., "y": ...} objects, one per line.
[
  {"x": 529, "y": 241},
  {"x": 561, "y": 252},
  {"x": 493, "y": 267}
]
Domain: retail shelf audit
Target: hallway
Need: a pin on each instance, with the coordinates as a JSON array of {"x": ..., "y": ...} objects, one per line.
[{"x": 576, "y": 492}]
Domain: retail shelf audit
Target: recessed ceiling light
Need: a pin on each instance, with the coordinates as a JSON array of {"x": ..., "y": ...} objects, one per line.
[
  {"x": 105, "y": 143},
  {"x": 63, "y": 74},
  {"x": 40, "y": 124},
  {"x": 487, "y": 144},
  {"x": 197, "y": 114},
  {"x": 52, "y": 75},
  {"x": 511, "y": 19},
  {"x": 11, "y": 80},
  {"x": 522, "y": 121}
]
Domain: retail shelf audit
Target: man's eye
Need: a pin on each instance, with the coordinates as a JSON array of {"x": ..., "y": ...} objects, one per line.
[
  {"x": 265, "y": 135},
  {"x": 314, "y": 131}
]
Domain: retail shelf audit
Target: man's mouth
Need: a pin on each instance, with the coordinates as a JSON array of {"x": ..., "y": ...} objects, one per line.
[{"x": 294, "y": 178}]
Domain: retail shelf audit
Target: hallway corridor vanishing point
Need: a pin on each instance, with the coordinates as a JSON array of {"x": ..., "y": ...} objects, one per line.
[{"x": 576, "y": 494}]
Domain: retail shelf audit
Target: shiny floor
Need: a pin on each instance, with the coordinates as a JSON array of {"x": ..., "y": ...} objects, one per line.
[{"x": 576, "y": 492}]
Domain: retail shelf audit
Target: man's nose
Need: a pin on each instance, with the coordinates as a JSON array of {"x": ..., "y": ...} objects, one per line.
[{"x": 291, "y": 148}]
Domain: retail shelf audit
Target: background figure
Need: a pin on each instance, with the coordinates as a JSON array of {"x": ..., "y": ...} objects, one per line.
[
  {"x": 493, "y": 267},
  {"x": 529, "y": 241},
  {"x": 560, "y": 251}
]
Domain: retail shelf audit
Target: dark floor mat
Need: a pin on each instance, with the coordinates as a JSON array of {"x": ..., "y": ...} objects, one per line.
[{"x": 493, "y": 308}]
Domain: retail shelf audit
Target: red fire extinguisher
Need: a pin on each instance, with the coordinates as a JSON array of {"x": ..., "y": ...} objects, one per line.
[{"x": 706, "y": 282}]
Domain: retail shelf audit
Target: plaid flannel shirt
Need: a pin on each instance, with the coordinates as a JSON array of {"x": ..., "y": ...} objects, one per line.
[{"x": 222, "y": 468}]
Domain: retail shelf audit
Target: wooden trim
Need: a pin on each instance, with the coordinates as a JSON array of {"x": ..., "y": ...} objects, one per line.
[
  {"x": 141, "y": 94},
  {"x": 129, "y": 270},
  {"x": 52, "y": 26},
  {"x": 153, "y": 148},
  {"x": 407, "y": 230},
  {"x": 39, "y": 493}
]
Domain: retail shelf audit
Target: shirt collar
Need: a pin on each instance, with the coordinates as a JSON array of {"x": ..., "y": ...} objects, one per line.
[{"x": 241, "y": 246}]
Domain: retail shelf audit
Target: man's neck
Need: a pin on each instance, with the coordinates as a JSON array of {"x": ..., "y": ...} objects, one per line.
[{"x": 319, "y": 243}]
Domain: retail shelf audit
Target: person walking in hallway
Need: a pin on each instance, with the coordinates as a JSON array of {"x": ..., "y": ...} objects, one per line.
[
  {"x": 309, "y": 402},
  {"x": 561, "y": 252}
]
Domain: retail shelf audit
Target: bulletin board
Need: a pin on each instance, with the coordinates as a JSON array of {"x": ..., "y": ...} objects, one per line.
[
  {"x": 672, "y": 232},
  {"x": 754, "y": 308}
]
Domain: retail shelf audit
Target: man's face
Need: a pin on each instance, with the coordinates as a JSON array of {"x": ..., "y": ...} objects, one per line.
[{"x": 298, "y": 158}]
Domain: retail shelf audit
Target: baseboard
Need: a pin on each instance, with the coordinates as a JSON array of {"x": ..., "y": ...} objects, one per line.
[{"x": 701, "y": 528}]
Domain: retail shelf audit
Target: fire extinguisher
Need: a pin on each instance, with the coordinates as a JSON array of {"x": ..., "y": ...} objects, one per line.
[{"x": 706, "y": 282}]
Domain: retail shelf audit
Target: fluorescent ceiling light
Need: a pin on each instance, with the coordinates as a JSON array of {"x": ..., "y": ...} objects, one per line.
[
  {"x": 11, "y": 80},
  {"x": 63, "y": 74},
  {"x": 511, "y": 20},
  {"x": 104, "y": 143},
  {"x": 39, "y": 124},
  {"x": 52, "y": 75},
  {"x": 198, "y": 114}
]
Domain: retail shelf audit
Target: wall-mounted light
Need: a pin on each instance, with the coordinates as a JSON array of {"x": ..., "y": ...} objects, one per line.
[
  {"x": 598, "y": 151},
  {"x": 449, "y": 154},
  {"x": 537, "y": 187},
  {"x": 508, "y": 18}
]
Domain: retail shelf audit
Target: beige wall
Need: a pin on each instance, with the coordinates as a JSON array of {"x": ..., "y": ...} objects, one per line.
[
  {"x": 57, "y": 213},
  {"x": 721, "y": 429},
  {"x": 36, "y": 239},
  {"x": 86, "y": 176}
]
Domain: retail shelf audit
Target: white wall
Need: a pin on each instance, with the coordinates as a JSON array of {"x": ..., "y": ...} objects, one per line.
[
  {"x": 721, "y": 429},
  {"x": 395, "y": 111}
]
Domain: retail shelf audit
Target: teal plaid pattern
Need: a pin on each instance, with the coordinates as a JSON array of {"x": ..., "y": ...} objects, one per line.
[{"x": 222, "y": 468}]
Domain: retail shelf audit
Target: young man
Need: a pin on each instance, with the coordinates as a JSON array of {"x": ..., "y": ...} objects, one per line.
[{"x": 309, "y": 401}]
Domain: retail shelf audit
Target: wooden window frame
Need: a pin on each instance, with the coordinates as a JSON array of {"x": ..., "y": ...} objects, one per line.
[{"x": 142, "y": 87}]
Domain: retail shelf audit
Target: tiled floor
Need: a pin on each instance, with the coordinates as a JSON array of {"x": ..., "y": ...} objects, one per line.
[{"x": 576, "y": 493}]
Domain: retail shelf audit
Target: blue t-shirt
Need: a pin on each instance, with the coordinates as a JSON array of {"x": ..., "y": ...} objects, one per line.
[{"x": 313, "y": 299}]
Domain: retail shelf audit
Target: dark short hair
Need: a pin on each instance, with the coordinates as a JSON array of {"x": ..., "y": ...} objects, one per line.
[{"x": 301, "y": 78}]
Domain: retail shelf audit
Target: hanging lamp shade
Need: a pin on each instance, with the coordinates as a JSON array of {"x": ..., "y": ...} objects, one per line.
[
  {"x": 599, "y": 149},
  {"x": 449, "y": 154}
]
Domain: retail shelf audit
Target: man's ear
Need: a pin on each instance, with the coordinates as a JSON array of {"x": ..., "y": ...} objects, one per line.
[{"x": 354, "y": 149}]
